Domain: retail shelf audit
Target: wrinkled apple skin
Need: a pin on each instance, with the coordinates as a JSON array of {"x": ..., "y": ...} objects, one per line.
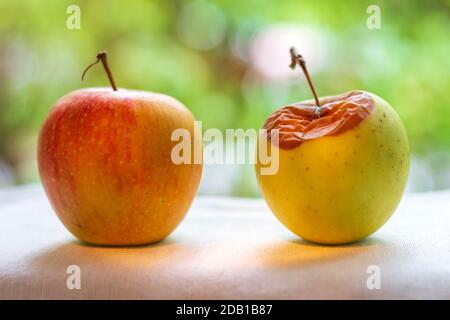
[
  {"x": 340, "y": 189},
  {"x": 105, "y": 163}
]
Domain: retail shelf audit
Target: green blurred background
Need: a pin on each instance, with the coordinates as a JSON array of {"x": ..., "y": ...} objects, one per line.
[{"x": 228, "y": 62}]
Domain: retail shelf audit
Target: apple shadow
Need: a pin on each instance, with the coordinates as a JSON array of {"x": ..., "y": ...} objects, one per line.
[
  {"x": 81, "y": 253},
  {"x": 293, "y": 253},
  {"x": 156, "y": 270}
]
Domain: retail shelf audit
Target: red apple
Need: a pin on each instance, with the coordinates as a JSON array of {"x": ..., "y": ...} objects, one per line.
[{"x": 105, "y": 163}]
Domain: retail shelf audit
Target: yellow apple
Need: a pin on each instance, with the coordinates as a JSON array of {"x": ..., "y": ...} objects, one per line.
[{"x": 343, "y": 167}]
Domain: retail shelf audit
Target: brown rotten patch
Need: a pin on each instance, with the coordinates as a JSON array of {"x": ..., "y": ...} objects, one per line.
[{"x": 303, "y": 121}]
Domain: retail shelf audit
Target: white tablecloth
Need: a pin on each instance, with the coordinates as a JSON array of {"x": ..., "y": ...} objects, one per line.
[{"x": 225, "y": 249}]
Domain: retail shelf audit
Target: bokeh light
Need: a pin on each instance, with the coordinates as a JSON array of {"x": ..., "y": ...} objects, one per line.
[{"x": 228, "y": 62}]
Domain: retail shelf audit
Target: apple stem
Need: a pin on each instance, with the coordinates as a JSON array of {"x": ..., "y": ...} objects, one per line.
[
  {"x": 297, "y": 59},
  {"x": 102, "y": 56}
]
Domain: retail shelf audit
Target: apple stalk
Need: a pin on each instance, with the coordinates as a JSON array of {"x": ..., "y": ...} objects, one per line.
[
  {"x": 102, "y": 56},
  {"x": 297, "y": 59}
]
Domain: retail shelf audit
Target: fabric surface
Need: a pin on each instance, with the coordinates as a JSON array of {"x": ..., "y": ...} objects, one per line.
[{"x": 225, "y": 249}]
